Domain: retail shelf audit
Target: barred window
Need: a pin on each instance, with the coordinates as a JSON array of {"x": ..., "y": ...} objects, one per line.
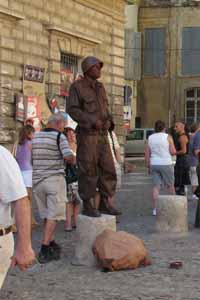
[
  {"x": 70, "y": 65},
  {"x": 69, "y": 62}
]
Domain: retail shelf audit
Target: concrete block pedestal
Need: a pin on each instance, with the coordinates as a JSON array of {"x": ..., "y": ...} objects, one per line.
[
  {"x": 87, "y": 230},
  {"x": 172, "y": 214}
]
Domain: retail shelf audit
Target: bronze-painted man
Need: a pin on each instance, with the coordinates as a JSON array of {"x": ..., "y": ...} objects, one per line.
[{"x": 88, "y": 106}]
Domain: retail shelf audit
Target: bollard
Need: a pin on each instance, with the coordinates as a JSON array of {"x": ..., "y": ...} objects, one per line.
[
  {"x": 172, "y": 215},
  {"x": 87, "y": 230}
]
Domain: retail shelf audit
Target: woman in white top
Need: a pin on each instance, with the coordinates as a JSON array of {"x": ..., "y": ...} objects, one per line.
[{"x": 158, "y": 158}]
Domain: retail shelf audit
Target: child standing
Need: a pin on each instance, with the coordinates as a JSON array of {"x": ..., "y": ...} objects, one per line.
[{"x": 74, "y": 201}]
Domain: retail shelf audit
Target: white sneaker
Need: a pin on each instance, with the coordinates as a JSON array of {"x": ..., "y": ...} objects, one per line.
[
  {"x": 154, "y": 212},
  {"x": 194, "y": 197}
]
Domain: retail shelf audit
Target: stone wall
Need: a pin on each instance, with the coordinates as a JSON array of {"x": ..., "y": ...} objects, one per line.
[{"x": 36, "y": 32}]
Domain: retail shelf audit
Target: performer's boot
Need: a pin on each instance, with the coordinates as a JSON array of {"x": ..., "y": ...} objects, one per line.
[
  {"x": 107, "y": 208},
  {"x": 90, "y": 210}
]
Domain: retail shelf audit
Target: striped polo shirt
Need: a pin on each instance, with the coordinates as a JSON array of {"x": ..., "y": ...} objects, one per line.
[{"x": 47, "y": 157}]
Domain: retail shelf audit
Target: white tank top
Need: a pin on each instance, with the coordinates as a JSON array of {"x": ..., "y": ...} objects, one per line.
[{"x": 159, "y": 146}]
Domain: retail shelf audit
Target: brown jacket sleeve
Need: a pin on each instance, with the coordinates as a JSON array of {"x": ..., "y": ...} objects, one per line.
[{"x": 74, "y": 109}]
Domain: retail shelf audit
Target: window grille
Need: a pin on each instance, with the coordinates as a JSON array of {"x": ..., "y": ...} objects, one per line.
[
  {"x": 68, "y": 73},
  {"x": 69, "y": 62}
]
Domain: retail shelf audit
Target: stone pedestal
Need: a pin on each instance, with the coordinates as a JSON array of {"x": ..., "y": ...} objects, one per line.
[
  {"x": 172, "y": 215},
  {"x": 87, "y": 230}
]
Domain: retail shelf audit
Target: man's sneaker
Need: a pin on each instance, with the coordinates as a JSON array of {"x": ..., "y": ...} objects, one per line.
[
  {"x": 49, "y": 255},
  {"x": 55, "y": 246},
  {"x": 194, "y": 197},
  {"x": 154, "y": 212},
  {"x": 197, "y": 193}
]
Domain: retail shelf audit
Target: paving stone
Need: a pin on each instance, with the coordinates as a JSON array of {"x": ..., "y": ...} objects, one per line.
[{"x": 60, "y": 280}]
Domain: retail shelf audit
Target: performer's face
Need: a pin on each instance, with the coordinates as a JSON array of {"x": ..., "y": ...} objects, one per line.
[{"x": 95, "y": 71}]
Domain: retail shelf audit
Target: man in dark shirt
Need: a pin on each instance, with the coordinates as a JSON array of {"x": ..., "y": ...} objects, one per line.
[{"x": 88, "y": 106}]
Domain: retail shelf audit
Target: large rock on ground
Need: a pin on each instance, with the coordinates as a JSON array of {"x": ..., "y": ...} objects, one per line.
[
  {"x": 87, "y": 230},
  {"x": 172, "y": 214},
  {"x": 120, "y": 251}
]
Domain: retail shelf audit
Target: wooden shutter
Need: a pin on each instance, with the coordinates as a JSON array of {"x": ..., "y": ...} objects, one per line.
[
  {"x": 191, "y": 51},
  {"x": 132, "y": 55},
  {"x": 154, "y": 51}
]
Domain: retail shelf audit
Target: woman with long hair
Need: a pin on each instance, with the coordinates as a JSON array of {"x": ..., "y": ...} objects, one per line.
[{"x": 24, "y": 159}]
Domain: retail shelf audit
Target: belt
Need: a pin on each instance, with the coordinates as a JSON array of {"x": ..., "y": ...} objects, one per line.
[{"x": 4, "y": 231}]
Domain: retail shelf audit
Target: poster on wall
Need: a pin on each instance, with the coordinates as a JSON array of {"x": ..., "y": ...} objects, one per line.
[
  {"x": 33, "y": 110},
  {"x": 20, "y": 112},
  {"x": 34, "y": 86},
  {"x": 32, "y": 73},
  {"x": 66, "y": 79},
  {"x": 57, "y": 103}
]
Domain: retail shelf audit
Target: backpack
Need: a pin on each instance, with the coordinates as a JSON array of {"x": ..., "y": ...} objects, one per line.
[{"x": 71, "y": 171}]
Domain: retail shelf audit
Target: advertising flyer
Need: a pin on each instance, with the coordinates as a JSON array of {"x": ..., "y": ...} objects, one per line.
[
  {"x": 67, "y": 78},
  {"x": 33, "y": 110}
]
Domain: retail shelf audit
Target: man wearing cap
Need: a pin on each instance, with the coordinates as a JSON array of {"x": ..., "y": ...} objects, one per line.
[
  {"x": 49, "y": 151},
  {"x": 88, "y": 106}
]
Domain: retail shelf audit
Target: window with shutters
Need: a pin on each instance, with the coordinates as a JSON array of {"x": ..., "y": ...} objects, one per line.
[
  {"x": 191, "y": 51},
  {"x": 154, "y": 51}
]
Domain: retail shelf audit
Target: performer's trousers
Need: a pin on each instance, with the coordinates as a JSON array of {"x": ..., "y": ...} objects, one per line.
[{"x": 95, "y": 166}]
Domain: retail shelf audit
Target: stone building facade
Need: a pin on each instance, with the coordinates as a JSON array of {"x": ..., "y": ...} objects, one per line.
[
  {"x": 50, "y": 34},
  {"x": 170, "y": 85}
]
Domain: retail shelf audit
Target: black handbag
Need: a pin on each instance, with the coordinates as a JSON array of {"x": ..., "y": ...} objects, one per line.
[{"x": 71, "y": 173}]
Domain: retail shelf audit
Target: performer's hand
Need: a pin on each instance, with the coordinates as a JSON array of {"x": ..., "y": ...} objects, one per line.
[
  {"x": 107, "y": 125},
  {"x": 98, "y": 125}
]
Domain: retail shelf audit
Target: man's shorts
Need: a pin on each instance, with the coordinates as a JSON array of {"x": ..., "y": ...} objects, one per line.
[
  {"x": 6, "y": 252},
  {"x": 50, "y": 196},
  {"x": 162, "y": 175},
  {"x": 193, "y": 176}
]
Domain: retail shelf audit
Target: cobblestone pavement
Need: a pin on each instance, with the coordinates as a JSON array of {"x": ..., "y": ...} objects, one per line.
[{"x": 60, "y": 280}]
